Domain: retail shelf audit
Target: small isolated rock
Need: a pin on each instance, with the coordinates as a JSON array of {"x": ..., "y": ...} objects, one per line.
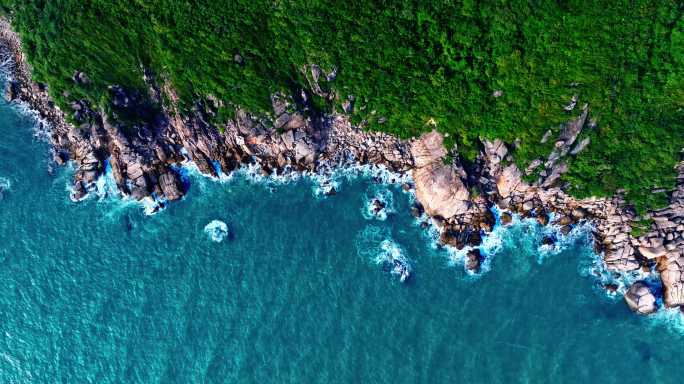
[
  {"x": 549, "y": 241},
  {"x": 417, "y": 210},
  {"x": 506, "y": 218},
  {"x": 611, "y": 288},
  {"x": 566, "y": 229},
  {"x": 640, "y": 298},
  {"x": 543, "y": 218},
  {"x": 565, "y": 220},
  {"x": 473, "y": 260}
]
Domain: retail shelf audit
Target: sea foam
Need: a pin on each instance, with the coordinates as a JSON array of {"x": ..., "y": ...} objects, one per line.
[
  {"x": 378, "y": 203},
  {"x": 376, "y": 245},
  {"x": 216, "y": 230}
]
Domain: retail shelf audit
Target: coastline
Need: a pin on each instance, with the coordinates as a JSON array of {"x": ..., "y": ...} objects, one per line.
[{"x": 459, "y": 201}]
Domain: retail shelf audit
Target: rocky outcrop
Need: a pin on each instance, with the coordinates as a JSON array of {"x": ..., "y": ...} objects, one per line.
[{"x": 438, "y": 187}]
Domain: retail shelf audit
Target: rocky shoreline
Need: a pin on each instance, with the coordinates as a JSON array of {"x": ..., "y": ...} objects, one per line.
[{"x": 145, "y": 150}]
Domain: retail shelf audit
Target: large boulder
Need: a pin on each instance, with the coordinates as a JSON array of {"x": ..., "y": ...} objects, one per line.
[
  {"x": 438, "y": 187},
  {"x": 440, "y": 190},
  {"x": 652, "y": 252},
  {"x": 170, "y": 185},
  {"x": 428, "y": 149},
  {"x": 508, "y": 180},
  {"x": 640, "y": 298}
]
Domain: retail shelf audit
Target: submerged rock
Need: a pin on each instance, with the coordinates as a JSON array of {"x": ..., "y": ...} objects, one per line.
[
  {"x": 377, "y": 208},
  {"x": 394, "y": 261},
  {"x": 216, "y": 230},
  {"x": 611, "y": 288},
  {"x": 640, "y": 298},
  {"x": 402, "y": 269},
  {"x": 4, "y": 186}
]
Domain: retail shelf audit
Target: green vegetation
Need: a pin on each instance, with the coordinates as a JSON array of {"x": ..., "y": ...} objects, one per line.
[
  {"x": 641, "y": 227},
  {"x": 406, "y": 61}
]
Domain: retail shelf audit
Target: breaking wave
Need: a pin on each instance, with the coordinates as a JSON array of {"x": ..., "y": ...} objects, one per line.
[
  {"x": 217, "y": 230},
  {"x": 378, "y": 203},
  {"x": 5, "y": 184},
  {"x": 374, "y": 244},
  {"x": 524, "y": 234}
]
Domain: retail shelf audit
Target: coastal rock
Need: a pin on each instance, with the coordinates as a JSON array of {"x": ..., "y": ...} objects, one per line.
[
  {"x": 438, "y": 187},
  {"x": 171, "y": 186},
  {"x": 506, "y": 218},
  {"x": 640, "y": 298},
  {"x": 428, "y": 149},
  {"x": 671, "y": 270},
  {"x": 440, "y": 190},
  {"x": 145, "y": 151},
  {"x": 652, "y": 252},
  {"x": 509, "y": 180}
]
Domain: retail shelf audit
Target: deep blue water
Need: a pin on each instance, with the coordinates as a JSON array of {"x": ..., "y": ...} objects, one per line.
[{"x": 98, "y": 292}]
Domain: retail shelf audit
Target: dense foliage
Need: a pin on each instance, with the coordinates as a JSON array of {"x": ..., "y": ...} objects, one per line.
[{"x": 407, "y": 63}]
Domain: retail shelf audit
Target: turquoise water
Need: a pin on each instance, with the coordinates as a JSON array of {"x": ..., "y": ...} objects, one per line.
[{"x": 98, "y": 292}]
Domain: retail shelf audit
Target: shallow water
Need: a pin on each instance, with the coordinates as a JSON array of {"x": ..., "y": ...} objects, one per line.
[{"x": 99, "y": 292}]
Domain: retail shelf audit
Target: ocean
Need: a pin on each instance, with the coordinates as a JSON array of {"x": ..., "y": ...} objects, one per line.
[{"x": 255, "y": 281}]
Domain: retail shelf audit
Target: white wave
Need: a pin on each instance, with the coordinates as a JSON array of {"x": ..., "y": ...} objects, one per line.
[
  {"x": 191, "y": 169},
  {"x": 379, "y": 204},
  {"x": 524, "y": 234},
  {"x": 216, "y": 230},
  {"x": 375, "y": 244},
  {"x": 151, "y": 204},
  {"x": 105, "y": 185},
  {"x": 392, "y": 256},
  {"x": 41, "y": 127},
  {"x": 670, "y": 318},
  {"x": 5, "y": 184}
]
